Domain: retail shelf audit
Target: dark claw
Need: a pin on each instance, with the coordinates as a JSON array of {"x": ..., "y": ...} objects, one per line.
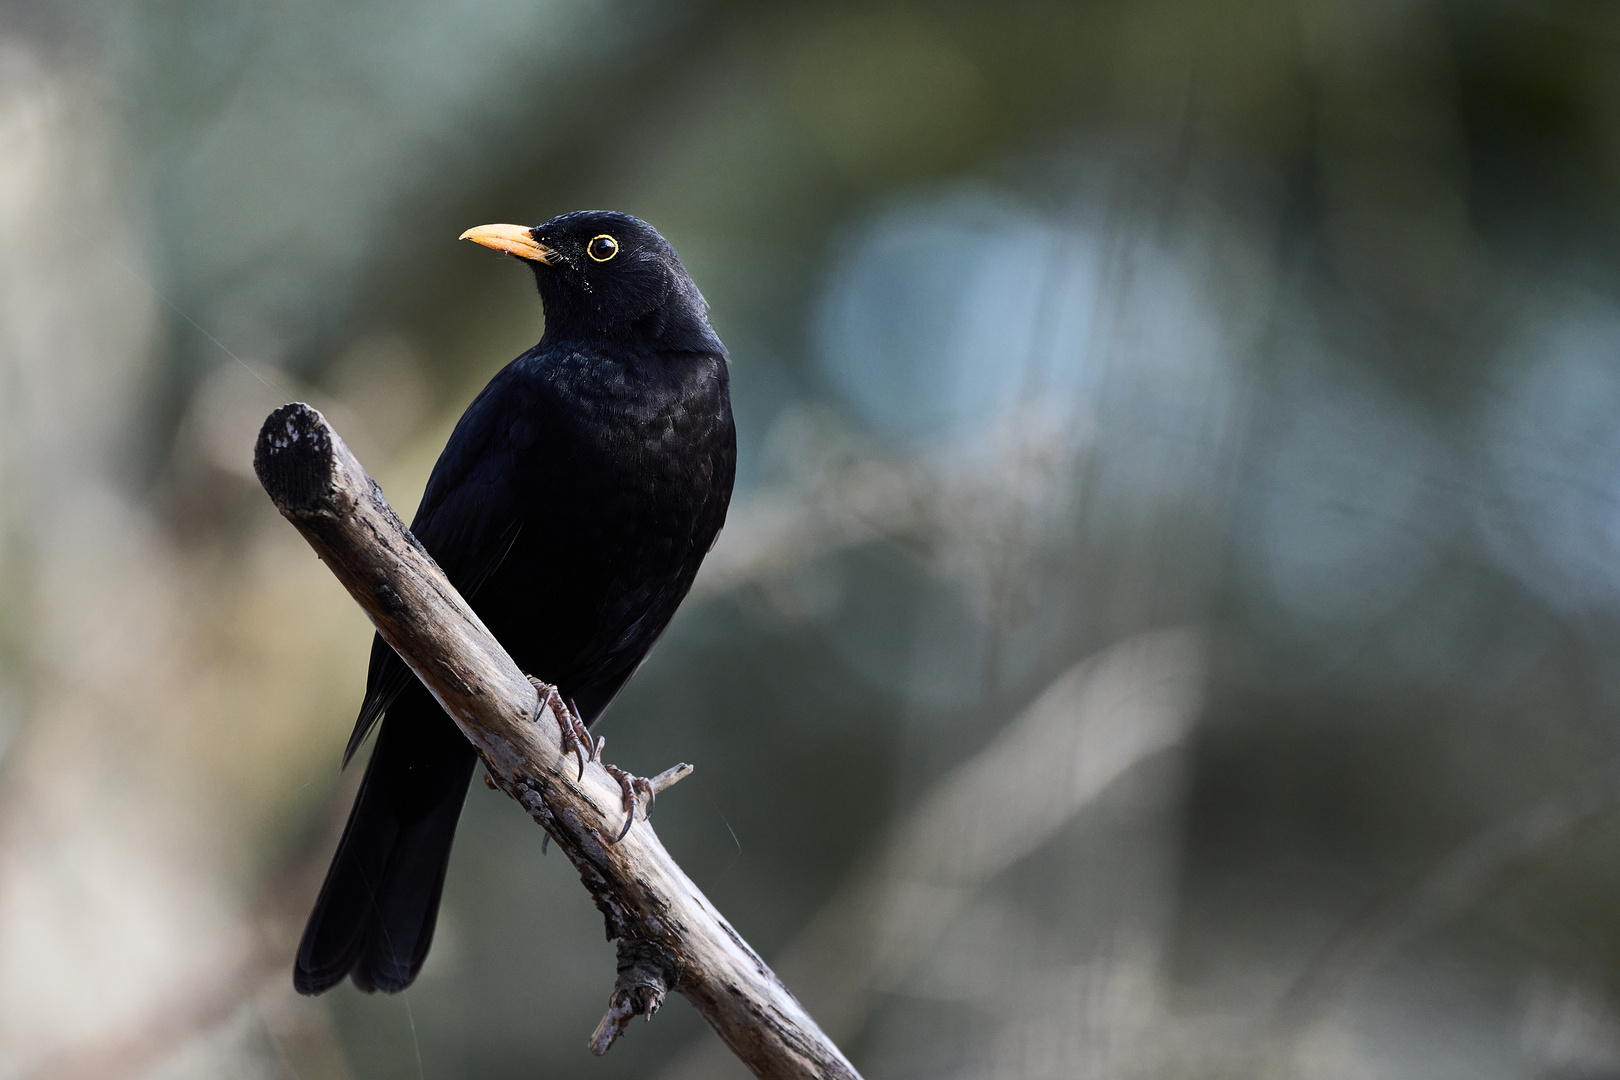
[
  {"x": 632, "y": 786},
  {"x": 575, "y": 736},
  {"x": 571, "y": 742},
  {"x": 579, "y": 717},
  {"x": 582, "y": 737},
  {"x": 627, "y": 784}
]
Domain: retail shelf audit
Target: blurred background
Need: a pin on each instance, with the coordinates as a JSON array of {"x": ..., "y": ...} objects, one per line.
[{"x": 1167, "y": 624}]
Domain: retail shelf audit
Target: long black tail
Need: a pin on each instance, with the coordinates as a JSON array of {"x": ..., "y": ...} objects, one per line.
[{"x": 374, "y": 918}]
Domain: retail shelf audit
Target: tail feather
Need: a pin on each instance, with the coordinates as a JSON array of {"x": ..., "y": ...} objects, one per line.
[
  {"x": 375, "y": 915},
  {"x": 403, "y": 920}
]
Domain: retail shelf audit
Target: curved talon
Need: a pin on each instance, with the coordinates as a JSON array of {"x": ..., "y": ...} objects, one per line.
[
  {"x": 632, "y": 786},
  {"x": 642, "y": 784},
  {"x": 571, "y": 742},
  {"x": 576, "y": 737},
  {"x": 582, "y": 737},
  {"x": 627, "y": 784},
  {"x": 585, "y": 730}
]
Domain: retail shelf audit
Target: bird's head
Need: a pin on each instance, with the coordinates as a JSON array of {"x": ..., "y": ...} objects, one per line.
[{"x": 603, "y": 274}]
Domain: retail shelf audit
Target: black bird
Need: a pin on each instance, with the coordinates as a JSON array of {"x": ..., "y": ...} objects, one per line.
[{"x": 571, "y": 507}]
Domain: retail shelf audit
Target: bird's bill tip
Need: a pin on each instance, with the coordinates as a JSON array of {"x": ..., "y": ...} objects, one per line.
[{"x": 512, "y": 239}]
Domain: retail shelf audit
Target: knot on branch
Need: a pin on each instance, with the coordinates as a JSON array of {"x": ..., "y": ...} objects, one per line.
[{"x": 647, "y": 970}]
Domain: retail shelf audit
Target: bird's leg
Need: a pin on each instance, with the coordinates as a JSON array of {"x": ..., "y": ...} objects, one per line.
[
  {"x": 575, "y": 736},
  {"x": 632, "y": 786}
]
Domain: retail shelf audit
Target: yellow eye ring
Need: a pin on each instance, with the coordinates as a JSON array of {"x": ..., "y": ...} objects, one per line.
[{"x": 602, "y": 248}]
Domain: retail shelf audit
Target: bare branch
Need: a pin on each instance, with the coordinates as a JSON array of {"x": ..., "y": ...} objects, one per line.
[{"x": 670, "y": 936}]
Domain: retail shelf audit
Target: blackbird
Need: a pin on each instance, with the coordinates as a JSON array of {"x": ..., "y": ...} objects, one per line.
[{"x": 572, "y": 506}]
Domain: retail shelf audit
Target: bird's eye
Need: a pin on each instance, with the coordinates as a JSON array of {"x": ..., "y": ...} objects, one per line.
[{"x": 602, "y": 248}]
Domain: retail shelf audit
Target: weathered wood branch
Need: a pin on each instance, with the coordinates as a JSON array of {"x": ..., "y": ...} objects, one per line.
[{"x": 670, "y": 937}]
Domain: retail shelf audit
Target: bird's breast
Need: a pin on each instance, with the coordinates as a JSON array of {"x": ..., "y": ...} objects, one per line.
[
  {"x": 633, "y": 447},
  {"x": 625, "y": 477}
]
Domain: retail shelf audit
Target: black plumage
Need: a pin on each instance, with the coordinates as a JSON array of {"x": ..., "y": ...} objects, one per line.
[{"x": 572, "y": 507}]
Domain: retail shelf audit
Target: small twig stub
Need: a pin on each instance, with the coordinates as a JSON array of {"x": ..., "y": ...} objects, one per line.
[{"x": 646, "y": 972}]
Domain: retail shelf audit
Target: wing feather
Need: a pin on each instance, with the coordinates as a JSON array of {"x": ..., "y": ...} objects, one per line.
[{"x": 468, "y": 522}]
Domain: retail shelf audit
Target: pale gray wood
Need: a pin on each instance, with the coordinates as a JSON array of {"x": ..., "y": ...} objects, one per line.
[{"x": 669, "y": 935}]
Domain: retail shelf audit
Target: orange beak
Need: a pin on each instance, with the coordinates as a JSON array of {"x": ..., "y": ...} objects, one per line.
[{"x": 512, "y": 239}]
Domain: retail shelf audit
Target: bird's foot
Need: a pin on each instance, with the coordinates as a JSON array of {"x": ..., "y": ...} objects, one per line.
[
  {"x": 576, "y": 737},
  {"x": 633, "y": 786}
]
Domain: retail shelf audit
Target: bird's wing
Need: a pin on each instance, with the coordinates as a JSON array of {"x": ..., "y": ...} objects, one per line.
[{"x": 468, "y": 522}]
